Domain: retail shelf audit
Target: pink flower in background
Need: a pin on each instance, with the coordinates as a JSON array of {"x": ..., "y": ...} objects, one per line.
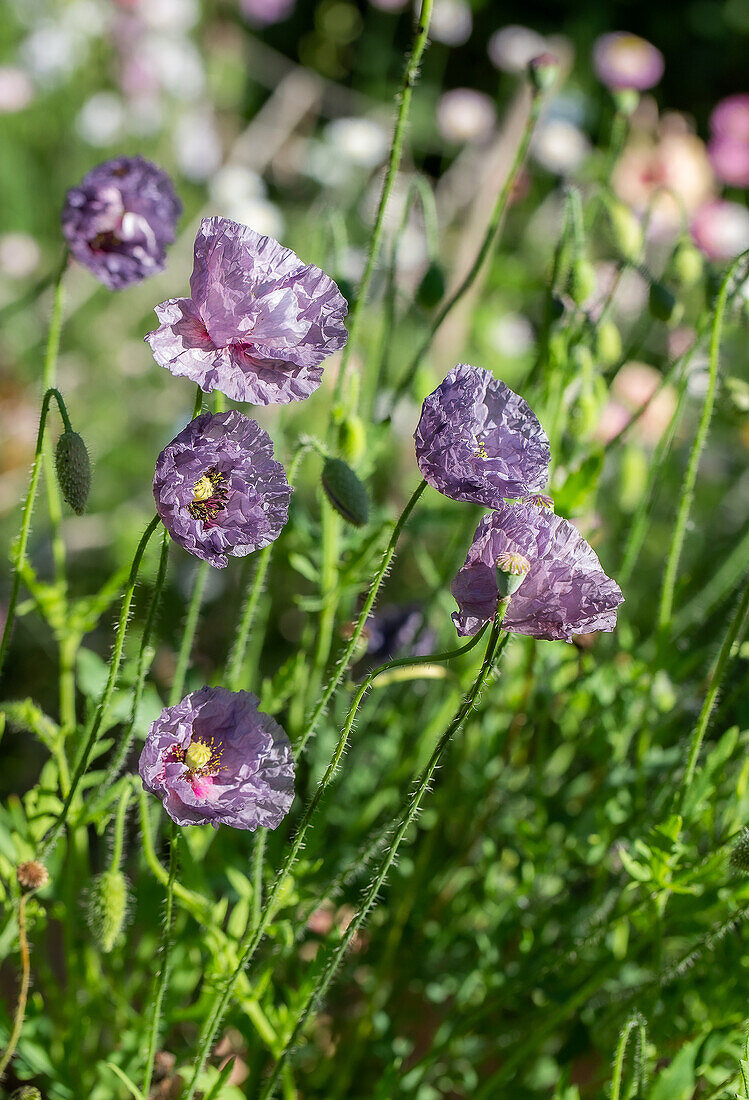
[
  {"x": 729, "y": 146},
  {"x": 730, "y": 118},
  {"x": 263, "y": 13},
  {"x": 465, "y": 115},
  {"x": 664, "y": 175},
  {"x": 626, "y": 61},
  {"x": 633, "y": 387},
  {"x": 721, "y": 230}
]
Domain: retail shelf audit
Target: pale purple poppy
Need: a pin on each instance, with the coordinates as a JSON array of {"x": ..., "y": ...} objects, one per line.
[
  {"x": 218, "y": 489},
  {"x": 259, "y": 323},
  {"x": 263, "y": 13},
  {"x": 119, "y": 220},
  {"x": 215, "y": 758},
  {"x": 478, "y": 441},
  {"x": 730, "y": 160},
  {"x": 626, "y": 61},
  {"x": 565, "y": 591},
  {"x": 721, "y": 230}
]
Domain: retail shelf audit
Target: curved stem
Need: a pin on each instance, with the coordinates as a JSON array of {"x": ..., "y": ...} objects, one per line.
[
  {"x": 488, "y": 243},
  {"x": 635, "y": 1021},
  {"x": 162, "y": 980},
  {"x": 23, "y": 537},
  {"x": 126, "y": 738},
  {"x": 665, "y": 608},
  {"x": 257, "y": 929},
  {"x": 188, "y": 633},
  {"x": 396, "y": 151},
  {"x": 118, "y": 833},
  {"x": 23, "y": 991},
  {"x": 106, "y": 696},
  {"x": 422, "y": 784},
  {"x": 348, "y": 653},
  {"x": 716, "y": 680}
]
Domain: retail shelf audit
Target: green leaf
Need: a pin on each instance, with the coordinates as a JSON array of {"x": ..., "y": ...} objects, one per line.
[
  {"x": 678, "y": 1080},
  {"x": 214, "y": 1091},
  {"x": 579, "y": 485},
  {"x": 633, "y": 868},
  {"x": 27, "y": 716},
  {"x": 131, "y": 1088}
]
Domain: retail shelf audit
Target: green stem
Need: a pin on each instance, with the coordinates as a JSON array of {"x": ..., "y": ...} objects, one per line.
[
  {"x": 396, "y": 151},
  {"x": 712, "y": 694},
  {"x": 665, "y": 608},
  {"x": 23, "y": 537},
  {"x": 636, "y": 1021},
  {"x": 126, "y": 738},
  {"x": 198, "y": 906},
  {"x": 490, "y": 239},
  {"x": 422, "y": 785},
  {"x": 246, "y": 620},
  {"x": 188, "y": 633},
  {"x": 162, "y": 979},
  {"x": 257, "y": 929},
  {"x": 340, "y": 669},
  {"x": 258, "y": 857},
  {"x": 106, "y": 696},
  {"x": 118, "y": 832},
  {"x": 23, "y": 991}
]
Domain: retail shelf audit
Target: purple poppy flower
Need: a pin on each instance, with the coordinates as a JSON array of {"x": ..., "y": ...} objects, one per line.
[
  {"x": 623, "y": 61},
  {"x": 565, "y": 591},
  {"x": 730, "y": 118},
  {"x": 218, "y": 489},
  {"x": 478, "y": 441},
  {"x": 216, "y": 758},
  {"x": 259, "y": 323},
  {"x": 119, "y": 220},
  {"x": 730, "y": 160}
]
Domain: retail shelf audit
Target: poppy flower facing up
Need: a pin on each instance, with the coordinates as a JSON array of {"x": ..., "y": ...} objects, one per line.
[
  {"x": 218, "y": 489},
  {"x": 478, "y": 441},
  {"x": 119, "y": 220},
  {"x": 564, "y": 592},
  {"x": 259, "y": 323},
  {"x": 625, "y": 61},
  {"x": 215, "y": 758}
]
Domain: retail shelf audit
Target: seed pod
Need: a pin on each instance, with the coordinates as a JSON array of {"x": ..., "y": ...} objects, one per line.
[
  {"x": 738, "y": 861},
  {"x": 511, "y": 570},
  {"x": 543, "y": 72},
  {"x": 345, "y": 492},
  {"x": 608, "y": 343},
  {"x": 627, "y": 232},
  {"x": 661, "y": 302},
  {"x": 106, "y": 910},
  {"x": 73, "y": 470},
  {"x": 432, "y": 287},
  {"x": 582, "y": 281}
]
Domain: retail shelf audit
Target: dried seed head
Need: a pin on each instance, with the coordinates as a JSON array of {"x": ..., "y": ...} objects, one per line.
[
  {"x": 107, "y": 905},
  {"x": 32, "y": 875},
  {"x": 345, "y": 492},
  {"x": 73, "y": 470}
]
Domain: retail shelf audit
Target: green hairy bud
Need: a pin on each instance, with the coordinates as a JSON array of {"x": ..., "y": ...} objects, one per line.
[
  {"x": 738, "y": 860},
  {"x": 345, "y": 492},
  {"x": 627, "y": 232},
  {"x": 26, "y": 1092},
  {"x": 73, "y": 471},
  {"x": 688, "y": 265},
  {"x": 352, "y": 438},
  {"x": 106, "y": 911},
  {"x": 582, "y": 281},
  {"x": 661, "y": 302},
  {"x": 608, "y": 343},
  {"x": 431, "y": 289}
]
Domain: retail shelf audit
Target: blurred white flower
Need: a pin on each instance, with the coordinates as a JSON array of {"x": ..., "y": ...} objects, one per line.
[
  {"x": 362, "y": 141},
  {"x": 51, "y": 52},
  {"x": 84, "y": 18},
  {"x": 264, "y": 12},
  {"x": 101, "y": 119},
  {"x": 411, "y": 254},
  {"x": 328, "y": 170},
  {"x": 145, "y": 115},
  {"x": 512, "y": 335},
  {"x": 721, "y": 230},
  {"x": 452, "y": 22},
  {"x": 511, "y": 48},
  {"x": 464, "y": 114},
  {"x": 179, "y": 65},
  {"x": 559, "y": 146},
  {"x": 197, "y": 147},
  {"x": 16, "y": 89},
  {"x": 233, "y": 183},
  {"x": 19, "y": 255},
  {"x": 170, "y": 15},
  {"x": 259, "y": 213}
]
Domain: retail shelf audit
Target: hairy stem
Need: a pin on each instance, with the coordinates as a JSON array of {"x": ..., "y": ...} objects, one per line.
[
  {"x": 23, "y": 991},
  {"x": 162, "y": 979}
]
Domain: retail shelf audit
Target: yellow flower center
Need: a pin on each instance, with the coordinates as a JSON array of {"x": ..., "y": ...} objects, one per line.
[
  {"x": 197, "y": 756},
  {"x": 209, "y": 495},
  {"x": 202, "y": 489}
]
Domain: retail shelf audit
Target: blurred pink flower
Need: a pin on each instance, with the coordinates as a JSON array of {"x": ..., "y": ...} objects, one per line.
[
  {"x": 730, "y": 159},
  {"x": 721, "y": 230},
  {"x": 464, "y": 114},
  {"x": 632, "y": 388},
  {"x": 624, "y": 60},
  {"x": 730, "y": 118},
  {"x": 263, "y": 13},
  {"x": 673, "y": 163}
]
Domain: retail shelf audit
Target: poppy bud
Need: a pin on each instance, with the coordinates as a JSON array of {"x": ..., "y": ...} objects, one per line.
[
  {"x": 582, "y": 281},
  {"x": 738, "y": 860},
  {"x": 73, "y": 470},
  {"x": 26, "y": 1092},
  {"x": 608, "y": 343},
  {"x": 626, "y": 100},
  {"x": 345, "y": 492},
  {"x": 627, "y": 231},
  {"x": 431, "y": 289},
  {"x": 661, "y": 302},
  {"x": 688, "y": 266},
  {"x": 106, "y": 910}
]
